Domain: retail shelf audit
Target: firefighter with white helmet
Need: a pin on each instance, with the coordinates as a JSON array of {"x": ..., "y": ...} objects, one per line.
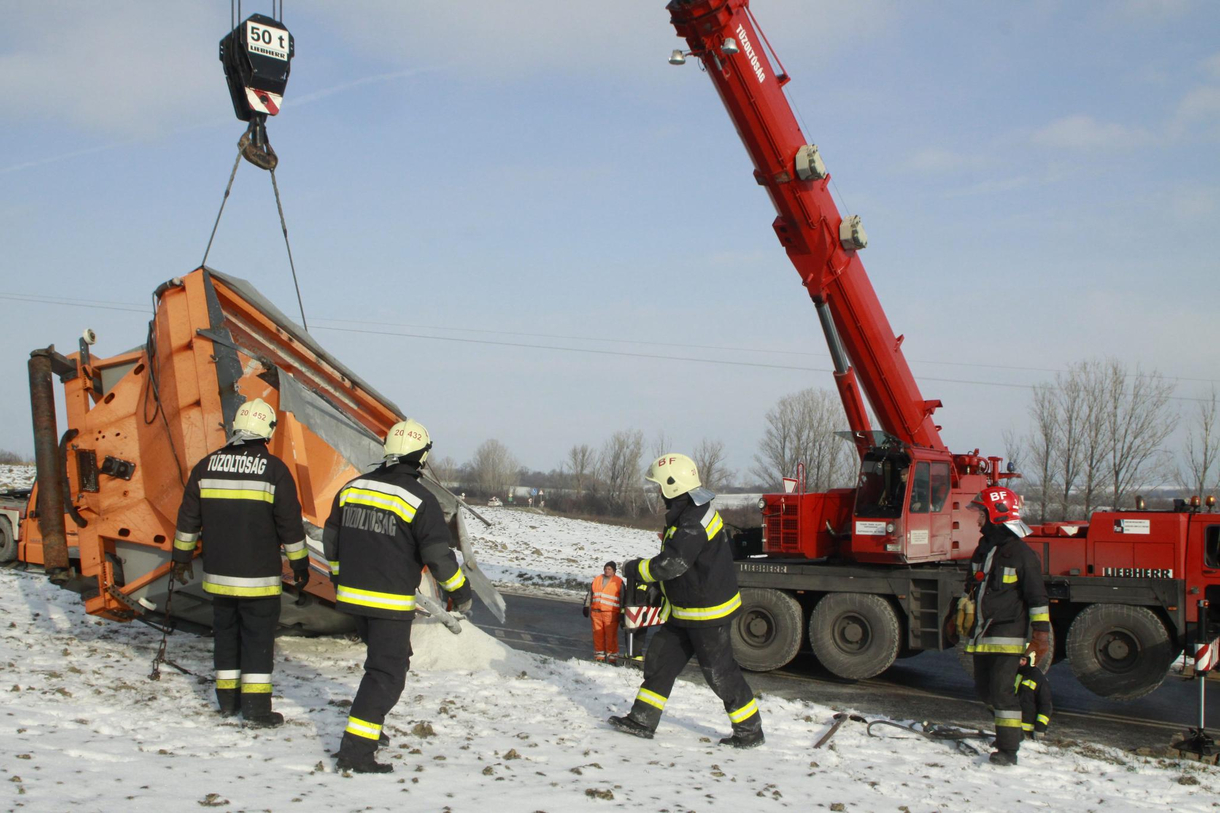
[
  {"x": 241, "y": 505},
  {"x": 1005, "y": 583},
  {"x": 384, "y": 526},
  {"x": 697, "y": 577}
]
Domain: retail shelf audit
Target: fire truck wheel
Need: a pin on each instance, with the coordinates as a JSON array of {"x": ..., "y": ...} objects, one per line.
[
  {"x": 767, "y": 631},
  {"x": 1119, "y": 651},
  {"x": 854, "y": 635},
  {"x": 8, "y": 545}
]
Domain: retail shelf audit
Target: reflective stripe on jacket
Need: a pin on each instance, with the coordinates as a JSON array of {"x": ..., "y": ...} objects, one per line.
[
  {"x": 1010, "y": 595},
  {"x": 695, "y": 568},
  {"x": 384, "y": 528},
  {"x": 241, "y": 502},
  {"x": 606, "y": 594}
]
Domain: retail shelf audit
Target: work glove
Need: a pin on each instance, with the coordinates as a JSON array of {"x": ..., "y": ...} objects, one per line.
[
  {"x": 1039, "y": 647},
  {"x": 964, "y": 619},
  {"x": 461, "y": 600},
  {"x": 300, "y": 578},
  {"x": 632, "y": 566},
  {"x": 183, "y": 572},
  {"x": 584, "y": 611}
]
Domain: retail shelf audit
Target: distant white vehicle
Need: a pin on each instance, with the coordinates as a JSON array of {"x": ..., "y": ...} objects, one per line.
[{"x": 494, "y": 502}]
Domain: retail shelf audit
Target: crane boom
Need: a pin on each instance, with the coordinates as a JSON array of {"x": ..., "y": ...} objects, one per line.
[{"x": 821, "y": 244}]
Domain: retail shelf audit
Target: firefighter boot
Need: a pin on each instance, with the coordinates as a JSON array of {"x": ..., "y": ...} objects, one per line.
[
  {"x": 744, "y": 739},
  {"x": 365, "y": 764},
  {"x": 226, "y": 700},
  {"x": 256, "y": 709},
  {"x": 1004, "y": 758},
  {"x": 629, "y": 726},
  {"x": 356, "y": 754}
]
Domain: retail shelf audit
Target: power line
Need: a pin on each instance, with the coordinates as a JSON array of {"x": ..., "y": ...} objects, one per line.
[{"x": 595, "y": 351}]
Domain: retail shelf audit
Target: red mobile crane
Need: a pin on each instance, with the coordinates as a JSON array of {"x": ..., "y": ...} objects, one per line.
[{"x": 873, "y": 572}]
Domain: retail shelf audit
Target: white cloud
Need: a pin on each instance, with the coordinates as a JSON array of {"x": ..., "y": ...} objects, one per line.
[
  {"x": 121, "y": 67},
  {"x": 503, "y": 41},
  {"x": 1084, "y": 132},
  {"x": 937, "y": 160}
]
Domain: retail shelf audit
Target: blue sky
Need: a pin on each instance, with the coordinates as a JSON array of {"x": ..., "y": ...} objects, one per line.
[{"x": 1039, "y": 183}]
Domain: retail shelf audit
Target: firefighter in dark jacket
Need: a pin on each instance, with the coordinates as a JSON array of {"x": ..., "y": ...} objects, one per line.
[
  {"x": 699, "y": 583},
  {"x": 1034, "y": 694},
  {"x": 241, "y": 505},
  {"x": 384, "y": 527},
  {"x": 1005, "y": 583}
]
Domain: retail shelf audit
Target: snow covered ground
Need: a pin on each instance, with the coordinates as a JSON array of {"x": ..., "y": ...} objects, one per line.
[
  {"x": 479, "y": 726},
  {"x": 16, "y": 477},
  {"x": 548, "y": 554}
]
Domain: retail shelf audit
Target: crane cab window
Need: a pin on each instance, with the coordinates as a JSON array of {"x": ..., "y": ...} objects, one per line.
[
  {"x": 921, "y": 487},
  {"x": 939, "y": 486},
  {"x": 1211, "y": 547},
  {"x": 882, "y": 487}
]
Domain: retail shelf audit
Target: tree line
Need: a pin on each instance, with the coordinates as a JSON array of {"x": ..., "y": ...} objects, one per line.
[{"x": 1097, "y": 433}]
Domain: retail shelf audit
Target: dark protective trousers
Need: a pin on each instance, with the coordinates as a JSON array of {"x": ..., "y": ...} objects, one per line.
[
  {"x": 995, "y": 678},
  {"x": 670, "y": 650},
  {"x": 243, "y": 651},
  {"x": 388, "y": 657}
]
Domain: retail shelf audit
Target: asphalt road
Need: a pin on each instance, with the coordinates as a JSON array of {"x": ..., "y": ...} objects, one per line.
[{"x": 931, "y": 686}]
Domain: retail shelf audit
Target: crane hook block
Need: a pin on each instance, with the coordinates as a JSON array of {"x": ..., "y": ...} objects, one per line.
[{"x": 257, "y": 56}]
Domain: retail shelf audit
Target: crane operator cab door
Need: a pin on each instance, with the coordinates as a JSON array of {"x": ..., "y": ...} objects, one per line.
[
  {"x": 928, "y": 524},
  {"x": 902, "y": 509},
  {"x": 257, "y": 56}
]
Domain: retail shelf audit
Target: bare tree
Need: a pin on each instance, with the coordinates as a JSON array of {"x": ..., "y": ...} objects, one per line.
[
  {"x": 1202, "y": 454},
  {"x": 1014, "y": 453},
  {"x": 581, "y": 464},
  {"x": 493, "y": 467},
  {"x": 1043, "y": 444},
  {"x": 662, "y": 444},
  {"x": 619, "y": 468},
  {"x": 801, "y": 429},
  {"x": 1069, "y": 417},
  {"x": 1138, "y": 419},
  {"x": 709, "y": 460},
  {"x": 444, "y": 469},
  {"x": 1095, "y": 439}
]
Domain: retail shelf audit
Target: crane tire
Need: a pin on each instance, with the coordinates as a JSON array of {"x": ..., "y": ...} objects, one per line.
[
  {"x": 766, "y": 634},
  {"x": 8, "y": 544},
  {"x": 854, "y": 635},
  {"x": 1119, "y": 651}
]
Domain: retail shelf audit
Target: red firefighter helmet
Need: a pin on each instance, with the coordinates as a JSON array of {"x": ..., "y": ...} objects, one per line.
[{"x": 1003, "y": 507}]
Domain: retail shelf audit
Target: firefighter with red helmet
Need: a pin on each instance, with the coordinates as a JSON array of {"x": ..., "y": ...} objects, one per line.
[
  {"x": 699, "y": 582},
  {"x": 383, "y": 528},
  {"x": 1005, "y": 583}
]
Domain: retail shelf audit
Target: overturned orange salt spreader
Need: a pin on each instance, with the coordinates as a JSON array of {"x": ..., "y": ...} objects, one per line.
[{"x": 102, "y": 514}]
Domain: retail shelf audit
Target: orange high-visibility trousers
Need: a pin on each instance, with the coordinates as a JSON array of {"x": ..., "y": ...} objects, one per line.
[{"x": 605, "y": 633}]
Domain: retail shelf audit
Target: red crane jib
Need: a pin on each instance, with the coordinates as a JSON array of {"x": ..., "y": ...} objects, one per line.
[{"x": 808, "y": 223}]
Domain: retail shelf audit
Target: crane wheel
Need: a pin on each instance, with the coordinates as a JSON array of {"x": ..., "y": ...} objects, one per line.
[
  {"x": 1119, "y": 651},
  {"x": 854, "y": 635},
  {"x": 8, "y": 545},
  {"x": 766, "y": 634}
]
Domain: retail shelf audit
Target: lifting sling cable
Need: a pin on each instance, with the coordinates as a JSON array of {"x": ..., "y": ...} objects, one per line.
[{"x": 257, "y": 55}]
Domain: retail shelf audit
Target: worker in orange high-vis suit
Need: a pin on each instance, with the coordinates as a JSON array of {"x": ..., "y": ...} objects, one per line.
[{"x": 604, "y": 602}]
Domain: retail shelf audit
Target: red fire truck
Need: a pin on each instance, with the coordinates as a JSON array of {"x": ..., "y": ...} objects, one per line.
[{"x": 868, "y": 574}]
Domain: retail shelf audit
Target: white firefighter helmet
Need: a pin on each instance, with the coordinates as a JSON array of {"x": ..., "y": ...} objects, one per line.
[
  {"x": 407, "y": 438},
  {"x": 255, "y": 419},
  {"x": 677, "y": 474}
]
